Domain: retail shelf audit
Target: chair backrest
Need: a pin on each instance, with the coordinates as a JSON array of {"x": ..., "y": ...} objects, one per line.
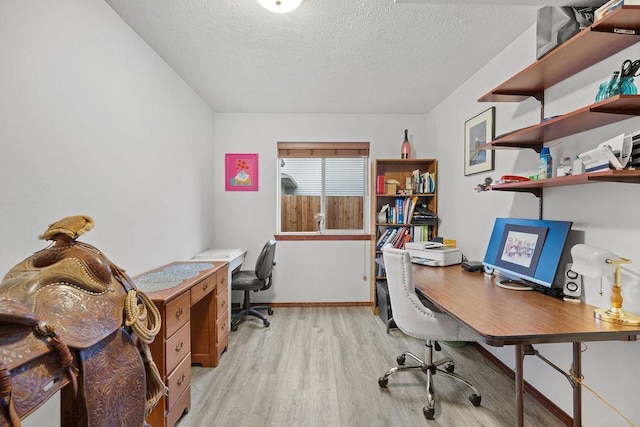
[
  {"x": 410, "y": 315},
  {"x": 265, "y": 262}
]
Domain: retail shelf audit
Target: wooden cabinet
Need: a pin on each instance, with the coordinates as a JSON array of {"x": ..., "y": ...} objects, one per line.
[
  {"x": 194, "y": 331},
  {"x": 399, "y": 170},
  {"x": 590, "y": 46}
]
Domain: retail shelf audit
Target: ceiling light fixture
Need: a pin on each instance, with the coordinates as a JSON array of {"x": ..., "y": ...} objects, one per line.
[{"x": 280, "y": 6}]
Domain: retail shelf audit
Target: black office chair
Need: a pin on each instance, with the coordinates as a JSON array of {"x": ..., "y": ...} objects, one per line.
[{"x": 254, "y": 280}]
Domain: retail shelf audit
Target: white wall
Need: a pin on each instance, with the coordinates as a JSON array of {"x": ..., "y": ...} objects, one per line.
[
  {"x": 92, "y": 121},
  {"x": 606, "y": 212},
  {"x": 308, "y": 271}
]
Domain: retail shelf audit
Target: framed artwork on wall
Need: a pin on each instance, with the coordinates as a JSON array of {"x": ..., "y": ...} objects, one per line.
[
  {"x": 478, "y": 131},
  {"x": 241, "y": 172}
]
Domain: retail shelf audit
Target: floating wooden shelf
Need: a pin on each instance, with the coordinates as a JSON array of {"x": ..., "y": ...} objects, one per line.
[
  {"x": 611, "y": 110},
  {"x": 595, "y": 43},
  {"x": 535, "y": 187},
  {"x": 590, "y": 46}
]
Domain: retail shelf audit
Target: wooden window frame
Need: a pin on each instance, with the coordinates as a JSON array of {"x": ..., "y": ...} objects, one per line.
[{"x": 323, "y": 150}]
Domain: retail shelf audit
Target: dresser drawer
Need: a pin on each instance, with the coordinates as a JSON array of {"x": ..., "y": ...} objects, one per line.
[
  {"x": 177, "y": 313},
  {"x": 222, "y": 326},
  {"x": 223, "y": 279},
  {"x": 222, "y": 302},
  {"x": 177, "y": 347},
  {"x": 202, "y": 288},
  {"x": 182, "y": 405},
  {"x": 178, "y": 381}
]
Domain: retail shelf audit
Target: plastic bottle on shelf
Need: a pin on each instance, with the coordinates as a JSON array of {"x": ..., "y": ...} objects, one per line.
[{"x": 545, "y": 164}]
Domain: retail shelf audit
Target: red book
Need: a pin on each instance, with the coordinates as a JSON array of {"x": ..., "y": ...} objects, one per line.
[{"x": 380, "y": 185}]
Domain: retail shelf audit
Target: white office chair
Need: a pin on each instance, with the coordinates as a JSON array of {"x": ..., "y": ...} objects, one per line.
[{"x": 415, "y": 319}]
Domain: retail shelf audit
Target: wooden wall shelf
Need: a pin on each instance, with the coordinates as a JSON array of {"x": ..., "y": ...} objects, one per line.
[
  {"x": 592, "y": 45},
  {"x": 611, "y": 110},
  {"x": 535, "y": 187}
]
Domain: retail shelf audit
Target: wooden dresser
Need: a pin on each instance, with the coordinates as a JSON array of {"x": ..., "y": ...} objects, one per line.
[{"x": 194, "y": 328}]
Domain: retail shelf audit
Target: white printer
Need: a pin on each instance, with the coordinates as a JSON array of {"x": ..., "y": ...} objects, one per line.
[{"x": 433, "y": 254}]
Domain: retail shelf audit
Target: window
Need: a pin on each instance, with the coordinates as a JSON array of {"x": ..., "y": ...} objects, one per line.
[{"x": 323, "y": 187}]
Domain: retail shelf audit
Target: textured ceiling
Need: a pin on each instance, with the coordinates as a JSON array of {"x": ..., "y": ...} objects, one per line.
[{"x": 327, "y": 56}]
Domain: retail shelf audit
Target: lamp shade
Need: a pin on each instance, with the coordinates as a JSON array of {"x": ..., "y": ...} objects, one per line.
[
  {"x": 591, "y": 261},
  {"x": 280, "y": 6}
]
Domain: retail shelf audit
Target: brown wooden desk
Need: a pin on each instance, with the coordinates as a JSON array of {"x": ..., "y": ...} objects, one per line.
[
  {"x": 506, "y": 317},
  {"x": 194, "y": 330}
]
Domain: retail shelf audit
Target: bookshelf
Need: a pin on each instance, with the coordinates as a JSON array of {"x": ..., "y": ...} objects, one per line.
[{"x": 410, "y": 217}]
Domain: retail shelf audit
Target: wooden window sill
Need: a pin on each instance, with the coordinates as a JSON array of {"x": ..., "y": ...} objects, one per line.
[{"x": 294, "y": 237}]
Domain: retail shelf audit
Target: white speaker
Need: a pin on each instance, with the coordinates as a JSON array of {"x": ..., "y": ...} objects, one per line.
[{"x": 572, "y": 283}]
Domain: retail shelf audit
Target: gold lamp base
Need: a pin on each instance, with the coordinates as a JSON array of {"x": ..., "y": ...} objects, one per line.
[{"x": 616, "y": 315}]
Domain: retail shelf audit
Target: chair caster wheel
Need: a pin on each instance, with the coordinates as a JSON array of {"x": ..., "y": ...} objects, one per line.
[
  {"x": 450, "y": 367},
  {"x": 270, "y": 312},
  {"x": 234, "y": 327},
  {"x": 266, "y": 323},
  {"x": 475, "y": 399},
  {"x": 429, "y": 413},
  {"x": 382, "y": 382},
  {"x": 401, "y": 359}
]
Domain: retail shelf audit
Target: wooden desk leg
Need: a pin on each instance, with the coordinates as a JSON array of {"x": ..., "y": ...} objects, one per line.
[
  {"x": 577, "y": 387},
  {"x": 519, "y": 380}
]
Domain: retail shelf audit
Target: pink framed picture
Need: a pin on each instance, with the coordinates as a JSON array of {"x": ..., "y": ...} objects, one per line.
[{"x": 241, "y": 172}]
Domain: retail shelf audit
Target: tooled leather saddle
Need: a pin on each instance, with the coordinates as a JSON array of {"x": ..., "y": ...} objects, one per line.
[{"x": 71, "y": 320}]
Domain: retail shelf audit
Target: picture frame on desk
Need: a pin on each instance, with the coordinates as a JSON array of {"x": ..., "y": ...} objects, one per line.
[
  {"x": 478, "y": 131},
  {"x": 241, "y": 172}
]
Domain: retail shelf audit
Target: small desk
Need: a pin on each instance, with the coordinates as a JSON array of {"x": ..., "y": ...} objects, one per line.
[
  {"x": 192, "y": 299},
  {"x": 235, "y": 258},
  {"x": 491, "y": 312}
]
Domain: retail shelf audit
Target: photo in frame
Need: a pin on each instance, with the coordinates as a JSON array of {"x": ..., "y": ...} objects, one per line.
[
  {"x": 241, "y": 172},
  {"x": 478, "y": 131}
]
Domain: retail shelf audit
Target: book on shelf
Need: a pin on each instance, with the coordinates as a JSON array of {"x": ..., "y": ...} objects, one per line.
[
  {"x": 387, "y": 236},
  {"x": 423, "y": 216},
  {"x": 411, "y": 202},
  {"x": 400, "y": 210},
  {"x": 380, "y": 187},
  {"x": 421, "y": 233},
  {"x": 403, "y": 210},
  {"x": 380, "y": 271},
  {"x": 383, "y": 235},
  {"x": 400, "y": 238}
]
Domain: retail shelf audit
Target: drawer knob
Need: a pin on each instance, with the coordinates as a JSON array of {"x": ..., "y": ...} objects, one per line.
[
  {"x": 179, "y": 347},
  {"x": 179, "y": 312},
  {"x": 205, "y": 286},
  {"x": 222, "y": 303},
  {"x": 181, "y": 380}
]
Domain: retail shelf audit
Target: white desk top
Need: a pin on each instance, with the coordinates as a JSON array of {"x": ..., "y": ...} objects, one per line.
[{"x": 221, "y": 254}]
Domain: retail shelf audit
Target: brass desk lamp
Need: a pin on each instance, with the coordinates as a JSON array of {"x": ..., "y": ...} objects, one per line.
[{"x": 597, "y": 263}]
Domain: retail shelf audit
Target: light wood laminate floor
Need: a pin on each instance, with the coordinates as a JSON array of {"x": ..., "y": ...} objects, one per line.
[{"x": 319, "y": 366}]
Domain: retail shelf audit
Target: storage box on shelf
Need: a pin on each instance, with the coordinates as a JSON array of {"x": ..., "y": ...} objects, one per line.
[
  {"x": 412, "y": 213},
  {"x": 595, "y": 43}
]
